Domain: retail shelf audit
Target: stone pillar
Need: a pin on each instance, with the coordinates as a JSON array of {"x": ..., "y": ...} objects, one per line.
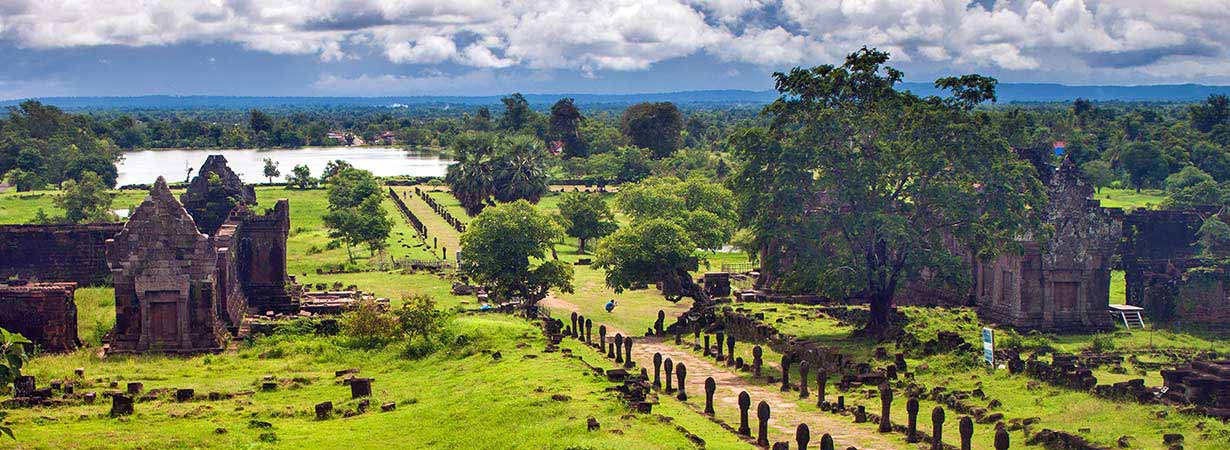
[
  {"x": 657, "y": 369},
  {"x": 580, "y": 334},
  {"x": 860, "y": 414},
  {"x": 937, "y": 428},
  {"x": 721, "y": 342},
  {"x": 762, "y": 417},
  {"x": 730, "y": 350},
  {"x": 121, "y": 405},
  {"x": 710, "y": 388},
  {"x": 745, "y": 403},
  {"x": 324, "y": 410},
  {"x": 804, "y": 367},
  {"x": 781, "y": 446},
  {"x": 572, "y": 331},
  {"x": 628, "y": 353},
  {"x": 841, "y": 403},
  {"x": 589, "y": 331},
  {"x": 1001, "y": 439},
  {"x": 360, "y": 387},
  {"x": 886, "y": 403},
  {"x": 911, "y": 410},
  {"x": 602, "y": 338},
  {"x": 135, "y": 388},
  {"x": 786, "y": 373},
  {"x": 618, "y": 347},
  {"x": 705, "y": 350},
  {"x": 658, "y": 327},
  {"x": 966, "y": 428},
  {"x": 802, "y": 435},
  {"x": 826, "y": 442},
  {"x": 678, "y": 338},
  {"x": 670, "y": 368},
  {"x": 681, "y": 371},
  {"x": 822, "y": 379},
  {"x": 757, "y": 361}
]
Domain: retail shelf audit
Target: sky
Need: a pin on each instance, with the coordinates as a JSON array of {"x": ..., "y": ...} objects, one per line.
[{"x": 489, "y": 47}]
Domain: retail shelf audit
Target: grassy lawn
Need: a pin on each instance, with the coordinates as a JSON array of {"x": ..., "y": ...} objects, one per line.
[{"x": 1130, "y": 199}]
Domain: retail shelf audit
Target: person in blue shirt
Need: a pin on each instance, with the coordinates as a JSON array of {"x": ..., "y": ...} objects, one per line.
[{"x": 610, "y": 305}]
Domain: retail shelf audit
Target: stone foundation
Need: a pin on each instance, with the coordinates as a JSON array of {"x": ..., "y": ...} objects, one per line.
[
  {"x": 44, "y": 313},
  {"x": 56, "y": 252}
]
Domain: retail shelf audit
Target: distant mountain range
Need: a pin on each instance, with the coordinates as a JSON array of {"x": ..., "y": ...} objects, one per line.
[{"x": 1008, "y": 93}]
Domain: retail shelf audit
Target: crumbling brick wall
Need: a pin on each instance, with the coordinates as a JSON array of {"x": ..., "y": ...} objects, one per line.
[
  {"x": 44, "y": 313},
  {"x": 56, "y": 252},
  {"x": 1158, "y": 254}
]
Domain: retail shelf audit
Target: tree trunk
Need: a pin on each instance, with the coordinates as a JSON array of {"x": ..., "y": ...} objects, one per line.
[
  {"x": 581, "y": 248},
  {"x": 881, "y": 312}
]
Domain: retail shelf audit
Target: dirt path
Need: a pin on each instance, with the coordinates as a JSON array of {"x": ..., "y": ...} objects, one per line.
[{"x": 785, "y": 413}]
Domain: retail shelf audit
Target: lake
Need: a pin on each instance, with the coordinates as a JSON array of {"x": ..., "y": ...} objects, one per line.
[{"x": 143, "y": 167}]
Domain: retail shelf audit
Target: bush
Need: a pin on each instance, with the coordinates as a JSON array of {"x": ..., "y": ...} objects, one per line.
[
  {"x": 369, "y": 326},
  {"x": 1101, "y": 343},
  {"x": 423, "y": 325}
]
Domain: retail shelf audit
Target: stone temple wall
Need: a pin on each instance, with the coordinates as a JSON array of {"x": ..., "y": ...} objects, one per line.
[
  {"x": 260, "y": 248},
  {"x": 44, "y": 313},
  {"x": 56, "y": 252},
  {"x": 1158, "y": 249}
]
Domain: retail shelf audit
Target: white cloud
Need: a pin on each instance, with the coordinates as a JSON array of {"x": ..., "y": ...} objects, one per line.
[{"x": 1148, "y": 38}]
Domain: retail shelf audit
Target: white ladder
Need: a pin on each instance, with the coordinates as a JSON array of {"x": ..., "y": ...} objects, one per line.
[{"x": 1132, "y": 319}]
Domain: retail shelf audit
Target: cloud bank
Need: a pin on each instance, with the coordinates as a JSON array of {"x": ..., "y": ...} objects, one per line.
[{"x": 1176, "y": 40}]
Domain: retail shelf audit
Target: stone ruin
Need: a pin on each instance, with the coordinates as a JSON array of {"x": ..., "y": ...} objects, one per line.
[
  {"x": 178, "y": 289},
  {"x": 213, "y": 193},
  {"x": 56, "y": 252},
  {"x": 166, "y": 281},
  {"x": 44, "y": 313},
  {"x": 1159, "y": 253},
  {"x": 1062, "y": 283},
  {"x": 1203, "y": 383}
]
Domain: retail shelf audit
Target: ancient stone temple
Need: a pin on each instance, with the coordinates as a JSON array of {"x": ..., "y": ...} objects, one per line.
[
  {"x": 1159, "y": 253},
  {"x": 257, "y": 246},
  {"x": 165, "y": 275},
  {"x": 44, "y": 313},
  {"x": 1062, "y": 283},
  {"x": 214, "y": 192},
  {"x": 56, "y": 252}
]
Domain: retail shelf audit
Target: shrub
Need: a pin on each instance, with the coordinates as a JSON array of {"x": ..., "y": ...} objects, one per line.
[
  {"x": 369, "y": 326},
  {"x": 1101, "y": 343}
]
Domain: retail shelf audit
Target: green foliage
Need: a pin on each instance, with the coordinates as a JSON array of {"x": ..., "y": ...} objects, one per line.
[
  {"x": 650, "y": 251},
  {"x": 25, "y": 181},
  {"x": 1189, "y": 176},
  {"x": 497, "y": 167},
  {"x": 86, "y": 200},
  {"x": 506, "y": 248},
  {"x": 422, "y": 324},
  {"x": 369, "y": 326},
  {"x": 586, "y": 216},
  {"x": 883, "y": 176},
  {"x": 1204, "y": 193},
  {"x": 1214, "y": 112},
  {"x": 1100, "y": 173},
  {"x": 653, "y": 126},
  {"x": 332, "y": 168},
  {"x": 271, "y": 169},
  {"x": 1213, "y": 238},
  {"x": 356, "y": 214},
  {"x": 517, "y": 112},
  {"x": 1145, "y": 164},
  {"x": 564, "y": 126},
  {"x": 301, "y": 177},
  {"x": 703, "y": 208},
  {"x": 12, "y": 359},
  {"x": 1101, "y": 343}
]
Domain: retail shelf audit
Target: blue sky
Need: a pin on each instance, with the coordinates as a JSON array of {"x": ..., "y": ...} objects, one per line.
[{"x": 483, "y": 47}]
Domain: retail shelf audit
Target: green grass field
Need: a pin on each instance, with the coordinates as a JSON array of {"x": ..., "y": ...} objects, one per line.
[{"x": 1130, "y": 199}]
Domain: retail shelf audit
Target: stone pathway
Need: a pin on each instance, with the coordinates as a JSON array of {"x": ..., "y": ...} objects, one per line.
[{"x": 785, "y": 412}]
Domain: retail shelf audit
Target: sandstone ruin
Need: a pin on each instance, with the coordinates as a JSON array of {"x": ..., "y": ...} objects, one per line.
[
  {"x": 56, "y": 252},
  {"x": 44, "y": 313}
]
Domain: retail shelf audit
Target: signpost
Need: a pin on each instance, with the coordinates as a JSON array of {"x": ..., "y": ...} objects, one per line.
[{"x": 988, "y": 346}]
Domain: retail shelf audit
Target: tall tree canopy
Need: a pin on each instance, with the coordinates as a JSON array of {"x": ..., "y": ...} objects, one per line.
[
  {"x": 494, "y": 167},
  {"x": 510, "y": 248},
  {"x": 655, "y": 126},
  {"x": 884, "y": 178},
  {"x": 564, "y": 125},
  {"x": 586, "y": 216},
  {"x": 704, "y": 209},
  {"x": 517, "y": 112},
  {"x": 355, "y": 214}
]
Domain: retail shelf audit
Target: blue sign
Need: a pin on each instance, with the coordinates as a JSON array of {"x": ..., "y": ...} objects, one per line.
[{"x": 988, "y": 346}]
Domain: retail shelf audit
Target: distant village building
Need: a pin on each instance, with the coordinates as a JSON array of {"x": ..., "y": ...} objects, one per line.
[{"x": 388, "y": 138}]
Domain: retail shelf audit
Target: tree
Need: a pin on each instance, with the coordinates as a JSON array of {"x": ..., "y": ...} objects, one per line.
[
  {"x": 1213, "y": 112},
  {"x": 564, "y": 126},
  {"x": 1099, "y": 172},
  {"x": 651, "y": 251},
  {"x": 86, "y": 200},
  {"x": 586, "y": 216},
  {"x": 702, "y": 208},
  {"x": 259, "y": 122},
  {"x": 25, "y": 181},
  {"x": 510, "y": 249},
  {"x": 99, "y": 163},
  {"x": 301, "y": 177},
  {"x": 356, "y": 215},
  {"x": 1144, "y": 164},
  {"x": 655, "y": 126},
  {"x": 1212, "y": 159},
  {"x": 517, "y": 112},
  {"x": 877, "y": 181},
  {"x": 496, "y": 167},
  {"x": 332, "y": 168},
  {"x": 1188, "y": 176},
  {"x": 271, "y": 170}
]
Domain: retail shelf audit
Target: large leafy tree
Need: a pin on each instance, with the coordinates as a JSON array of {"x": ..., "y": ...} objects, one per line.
[
  {"x": 651, "y": 251},
  {"x": 655, "y": 126},
  {"x": 586, "y": 216},
  {"x": 355, "y": 214},
  {"x": 517, "y": 112},
  {"x": 702, "y": 208},
  {"x": 564, "y": 125},
  {"x": 86, "y": 200},
  {"x": 884, "y": 178},
  {"x": 509, "y": 248},
  {"x": 1145, "y": 164}
]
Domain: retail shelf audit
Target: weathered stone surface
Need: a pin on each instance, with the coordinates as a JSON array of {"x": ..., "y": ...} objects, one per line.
[
  {"x": 213, "y": 193},
  {"x": 164, "y": 272},
  {"x": 61, "y": 253},
  {"x": 44, "y": 313}
]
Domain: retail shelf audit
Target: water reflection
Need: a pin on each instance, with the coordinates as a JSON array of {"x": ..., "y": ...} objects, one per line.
[{"x": 146, "y": 166}]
